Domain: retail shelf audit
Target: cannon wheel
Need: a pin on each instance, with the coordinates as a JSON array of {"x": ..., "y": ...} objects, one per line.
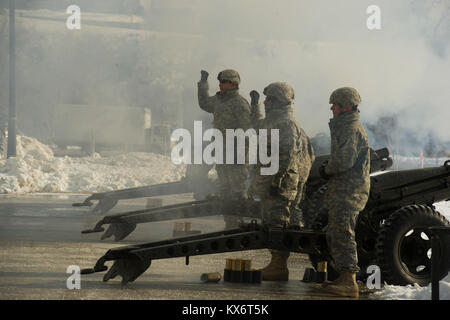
[
  {"x": 403, "y": 246},
  {"x": 316, "y": 218}
]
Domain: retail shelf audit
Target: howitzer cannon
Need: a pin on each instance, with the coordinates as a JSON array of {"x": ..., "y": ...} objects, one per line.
[
  {"x": 197, "y": 182},
  {"x": 122, "y": 224},
  {"x": 392, "y": 232}
]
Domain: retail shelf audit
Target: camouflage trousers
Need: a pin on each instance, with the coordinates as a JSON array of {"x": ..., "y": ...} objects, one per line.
[
  {"x": 232, "y": 180},
  {"x": 232, "y": 186},
  {"x": 341, "y": 238},
  {"x": 277, "y": 212}
]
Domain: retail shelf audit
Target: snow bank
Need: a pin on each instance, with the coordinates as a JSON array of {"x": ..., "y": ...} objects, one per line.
[
  {"x": 414, "y": 292},
  {"x": 35, "y": 169}
]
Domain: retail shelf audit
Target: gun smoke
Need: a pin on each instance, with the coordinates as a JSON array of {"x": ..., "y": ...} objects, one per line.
[{"x": 148, "y": 54}]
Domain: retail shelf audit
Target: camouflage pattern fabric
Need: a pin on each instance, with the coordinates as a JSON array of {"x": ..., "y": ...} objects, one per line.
[
  {"x": 232, "y": 180},
  {"x": 341, "y": 238},
  {"x": 347, "y": 97},
  {"x": 349, "y": 164},
  {"x": 230, "y": 111},
  {"x": 229, "y": 75},
  {"x": 296, "y": 156},
  {"x": 348, "y": 187},
  {"x": 281, "y": 90}
]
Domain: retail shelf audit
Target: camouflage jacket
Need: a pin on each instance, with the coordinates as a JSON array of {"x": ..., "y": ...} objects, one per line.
[
  {"x": 230, "y": 110},
  {"x": 296, "y": 153},
  {"x": 349, "y": 164}
]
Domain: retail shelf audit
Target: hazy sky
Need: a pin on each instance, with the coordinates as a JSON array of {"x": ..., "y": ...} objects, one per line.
[
  {"x": 314, "y": 45},
  {"x": 317, "y": 46}
]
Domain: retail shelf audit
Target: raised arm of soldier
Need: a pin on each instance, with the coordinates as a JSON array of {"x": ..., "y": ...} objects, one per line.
[
  {"x": 255, "y": 107},
  {"x": 205, "y": 101}
]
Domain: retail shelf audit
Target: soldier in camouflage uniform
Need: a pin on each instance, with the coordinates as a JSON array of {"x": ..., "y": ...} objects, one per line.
[
  {"x": 230, "y": 111},
  {"x": 281, "y": 193},
  {"x": 348, "y": 187}
]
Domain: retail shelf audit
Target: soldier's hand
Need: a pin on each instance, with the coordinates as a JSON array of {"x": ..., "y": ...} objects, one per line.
[
  {"x": 205, "y": 75},
  {"x": 254, "y": 95}
]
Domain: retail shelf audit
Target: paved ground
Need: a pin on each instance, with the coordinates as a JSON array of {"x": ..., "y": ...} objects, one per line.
[{"x": 40, "y": 238}]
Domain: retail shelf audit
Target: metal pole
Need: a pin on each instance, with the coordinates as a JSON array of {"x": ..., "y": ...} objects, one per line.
[
  {"x": 435, "y": 265},
  {"x": 11, "y": 151}
]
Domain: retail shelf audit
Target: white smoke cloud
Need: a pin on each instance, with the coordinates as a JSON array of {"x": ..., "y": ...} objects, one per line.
[{"x": 316, "y": 46}]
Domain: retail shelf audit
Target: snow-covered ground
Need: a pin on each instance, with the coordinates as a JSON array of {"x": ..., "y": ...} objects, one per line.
[{"x": 37, "y": 170}]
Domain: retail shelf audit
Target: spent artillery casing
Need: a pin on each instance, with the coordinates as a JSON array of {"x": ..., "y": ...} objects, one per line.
[
  {"x": 211, "y": 277},
  {"x": 236, "y": 270},
  {"x": 246, "y": 271},
  {"x": 321, "y": 274},
  {"x": 246, "y": 265},
  {"x": 178, "y": 226},
  {"x": 227, "y": 270}
]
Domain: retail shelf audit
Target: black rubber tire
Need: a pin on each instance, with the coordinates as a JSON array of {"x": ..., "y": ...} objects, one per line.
[{"x": 404, "y": 256}]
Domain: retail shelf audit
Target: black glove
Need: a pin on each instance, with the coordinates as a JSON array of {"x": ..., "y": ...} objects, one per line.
[
  {"x": 205, "y": 75},
  {"x": 254, "y": 95},
  {"x": 322, "y": 172},
  {"x": 274, "y": 191}
]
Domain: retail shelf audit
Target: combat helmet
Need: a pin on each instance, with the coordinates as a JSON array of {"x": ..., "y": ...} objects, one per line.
[
  {"x": 230, "y": 75},
  {"x": 346, "y": 97},
  {"x": 281, "y": 90}
]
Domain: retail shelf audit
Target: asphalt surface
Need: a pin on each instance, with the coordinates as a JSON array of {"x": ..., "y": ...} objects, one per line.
[{"x": 40, "y": 238}]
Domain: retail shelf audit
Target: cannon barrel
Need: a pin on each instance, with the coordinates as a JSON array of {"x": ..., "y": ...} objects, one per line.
[
  {"x": 379, "y": 161},
  {"x": 197, "y": 181},
  {"x": 395, "y": 189}
]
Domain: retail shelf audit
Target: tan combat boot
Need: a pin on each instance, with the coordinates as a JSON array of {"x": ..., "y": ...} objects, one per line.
[
  {"x": 345, "y": 285},
  {"x": 277, "y": 269}
]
